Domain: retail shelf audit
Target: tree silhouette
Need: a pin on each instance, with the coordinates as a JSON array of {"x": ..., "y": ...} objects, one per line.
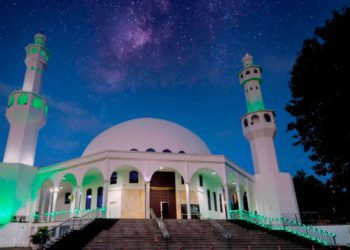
[{"x": 320, "y": 84}]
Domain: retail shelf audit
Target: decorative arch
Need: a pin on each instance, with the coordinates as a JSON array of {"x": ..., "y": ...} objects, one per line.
[
  {"x": 254, "y": 119},
  {"x": 218, "y": 171},
  {"x": 122, "y": 167},
  {"x": 178, "y": 170}
]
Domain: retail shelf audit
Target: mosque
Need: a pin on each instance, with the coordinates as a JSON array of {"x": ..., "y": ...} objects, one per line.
[{"x": 137, "y": 166}]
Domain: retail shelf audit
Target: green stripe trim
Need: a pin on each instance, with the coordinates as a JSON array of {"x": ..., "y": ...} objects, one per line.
[{"x": 252, "y": 79}]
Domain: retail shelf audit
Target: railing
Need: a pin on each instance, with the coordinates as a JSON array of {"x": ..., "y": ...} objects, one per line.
[
  {"x": 160, "y": 224},
  {"x": 220, "y": 228},
  {"x": 62, "y": 216},
  {"x": 74, "y": 223},
  {"x": 288, "y": 225}
]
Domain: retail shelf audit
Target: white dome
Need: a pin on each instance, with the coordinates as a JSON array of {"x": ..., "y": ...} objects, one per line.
[{"x": 147, "y": 133}]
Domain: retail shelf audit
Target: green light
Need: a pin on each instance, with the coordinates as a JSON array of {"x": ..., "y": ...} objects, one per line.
[
  {"x": 43, "y": 53},
  {"x": 38, "y": 40},
  {"x": 22, "y": 99},
  {"x": 32, "y": 68},
  {"x": 46, "y": 109},
  {"x": 11, "y": 101},
  {"x": 255, "y": 106},
  {"x": 252, "y": 79},
  {"x": 37, "y": 103},
  {"x": 34, "y": 50},
  {"x": 284, "y": 224}
]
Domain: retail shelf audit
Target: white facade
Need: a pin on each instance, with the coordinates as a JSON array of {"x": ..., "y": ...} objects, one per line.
[{"x": 168, "y": 160}]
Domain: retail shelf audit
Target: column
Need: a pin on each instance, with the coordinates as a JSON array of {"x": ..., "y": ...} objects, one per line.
[
  {"x": 239, "y": 196},
  {"x": 147, "y": 199},
  {"x": 248, "y": 199},
  {"x": 105, "y": 197},
  {"x": 54, "y": 201},
  {"x": 77, "y": 201},
  {"x": 188, "y": 200},
  {"x": 227, "y": 199}
]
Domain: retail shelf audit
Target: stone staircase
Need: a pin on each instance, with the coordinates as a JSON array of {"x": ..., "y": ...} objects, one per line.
[
  {"x": 245, "y": 234},
  {"x": 129, "y": 234},
  {"x": 194, "y": 234}
]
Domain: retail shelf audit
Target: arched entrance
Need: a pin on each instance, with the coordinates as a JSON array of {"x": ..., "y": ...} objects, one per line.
[
  {"x": 65, "y": 198},
  {"x": 163, "y": 194},
  {"x": 91, "y": 195},
  {"x": 210, "y": 193}
]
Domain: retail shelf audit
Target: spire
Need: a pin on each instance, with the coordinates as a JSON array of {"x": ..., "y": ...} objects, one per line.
[
  {"x": 247, "y": 60},
  {"x": 36, "y": 60},
  {"x": 250, "y": 79}
]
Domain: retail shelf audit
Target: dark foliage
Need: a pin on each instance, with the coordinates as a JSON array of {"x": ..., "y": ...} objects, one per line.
[{"x": 320, "y": 86}]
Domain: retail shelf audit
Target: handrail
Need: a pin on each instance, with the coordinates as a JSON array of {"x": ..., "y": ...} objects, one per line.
[
  {"x": 220, "y": 228},
  {"x": 160, "y": 224},
  {"x": 57, "y": 216},
  {"x": 74, "y": 223},
  {"x": 288, "y": 225}
]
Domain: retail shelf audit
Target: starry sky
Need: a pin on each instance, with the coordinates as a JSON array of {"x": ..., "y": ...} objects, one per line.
[{"x": 177, "y": 60}]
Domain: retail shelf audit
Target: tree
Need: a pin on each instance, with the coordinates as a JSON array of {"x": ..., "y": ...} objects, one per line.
[
  {"x": 320, "y": 86},
  {"x": 314, "y": 198}
]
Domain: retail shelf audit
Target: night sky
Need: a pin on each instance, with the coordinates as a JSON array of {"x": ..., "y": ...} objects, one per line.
[{"x": 177, "y": 60}]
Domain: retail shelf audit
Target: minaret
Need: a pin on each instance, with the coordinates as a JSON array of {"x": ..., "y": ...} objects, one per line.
[
  {"x": 27, "y": 109},
  {"x": 274, "y": 190}
]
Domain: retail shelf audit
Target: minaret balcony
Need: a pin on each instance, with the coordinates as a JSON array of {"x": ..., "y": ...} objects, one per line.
[
  {"x": 259, "y": 124},
  {"x": 24, "y": 105}
]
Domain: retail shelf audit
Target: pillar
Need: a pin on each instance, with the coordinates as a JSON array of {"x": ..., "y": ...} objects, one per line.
[
  {"x": 248, "y": 199},
  {"x": 77, "y": 201},
  {"x": 54, "y": 201},
  {"x": 147, "y": 199},
  {"x": 188, "y": 200},
  {"x": 239, "y": 196},
  {"x": 227, "y": 202},
  {"x": 105, "y": 197}
]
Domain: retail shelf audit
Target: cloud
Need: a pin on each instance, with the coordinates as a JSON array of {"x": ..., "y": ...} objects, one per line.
[
  {"x": 227, "y": 133},
  {"x": 63, "y": 145},
  {"x": 75, "y": 119}
]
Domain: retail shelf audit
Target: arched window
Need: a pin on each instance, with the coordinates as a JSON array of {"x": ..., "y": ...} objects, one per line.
[
  {"x": 256, "y": 71},
  {"x": 201, "y": 180},
  {"x": 241, "y": 75},
  {"x": 182, "y": 152},
  {"x": 88, "y": 198},
  {"x": 245, "y": 123},
  {"x": 220, "y": 203},
  {"x": 11, "y": 101},
  {"x": 215, "y": 203},
  {"x": 133, "y": 149},
  {"x": 133, "y": 177},
  {"x": 209, "y": 201},
  {"x": 114, "y": 178},
  {"x": 166, "y": 151},
  {"x": 22, "y": 99},
  {"x": 267, "y": 117},
  {"x": 150, "y": 150},
  {"x": 99, "y": 197},
  {"x": 245, "y": 202},
  {"x": 37, "y": 103},
  {"x": 247, "y": 72},
  {"x": 255, "y": 119}
]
